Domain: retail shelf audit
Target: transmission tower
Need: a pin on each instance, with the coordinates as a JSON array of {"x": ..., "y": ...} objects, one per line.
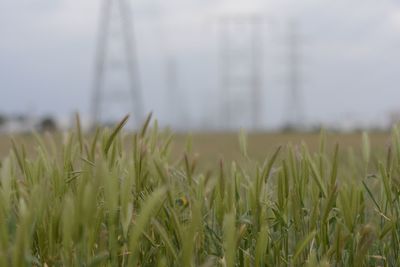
[
  {"x": 116, "y": 85},
  {"x": 241, "y": 63},
  {"x": 294, "y": 109},
  {"x": 171, "y": 75},
  {"x": 171, "y": 69}
]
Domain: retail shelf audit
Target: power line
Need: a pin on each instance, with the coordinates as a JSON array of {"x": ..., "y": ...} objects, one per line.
[{"x": 116, "y": 76}]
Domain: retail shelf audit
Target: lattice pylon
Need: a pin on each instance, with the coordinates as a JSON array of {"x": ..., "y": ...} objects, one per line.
[
  {"x": 241, "y": 70},
  {"x": 116, "y": 85},
  {"x": 294, "y": 109}
]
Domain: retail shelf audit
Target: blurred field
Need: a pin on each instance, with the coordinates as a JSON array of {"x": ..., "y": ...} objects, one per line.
[
  {"x": 260, "y": 145},
  {"x": 211, "y": 147}
]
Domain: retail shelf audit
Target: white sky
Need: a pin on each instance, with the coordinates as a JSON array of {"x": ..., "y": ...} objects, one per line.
[{"x": 350, "y": 56}]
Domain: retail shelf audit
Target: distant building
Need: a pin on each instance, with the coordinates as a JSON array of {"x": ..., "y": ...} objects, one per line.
[{"x": 17, "y": 124}]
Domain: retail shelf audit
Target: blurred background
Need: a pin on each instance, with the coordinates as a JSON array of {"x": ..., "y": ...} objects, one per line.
[{"x": 200, "y": 65}]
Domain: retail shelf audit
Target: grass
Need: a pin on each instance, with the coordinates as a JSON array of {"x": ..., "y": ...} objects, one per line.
[{"x": 94, "y": 201}]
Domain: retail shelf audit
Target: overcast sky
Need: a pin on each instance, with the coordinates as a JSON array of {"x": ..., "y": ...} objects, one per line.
[{"x": 350, "y": 51}]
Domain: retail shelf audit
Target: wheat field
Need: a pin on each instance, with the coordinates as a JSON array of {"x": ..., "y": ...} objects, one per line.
[{"x": 116, "y": 198}]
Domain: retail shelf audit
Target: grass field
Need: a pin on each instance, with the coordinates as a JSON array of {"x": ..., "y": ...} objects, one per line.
[{"x": 146, "y": 199}]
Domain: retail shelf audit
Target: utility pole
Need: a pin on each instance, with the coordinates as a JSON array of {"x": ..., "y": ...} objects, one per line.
[
  {"x": 241, "y": 70},
  {"x": 294, "y": 109},
  {"x": 116, "y": 82}
]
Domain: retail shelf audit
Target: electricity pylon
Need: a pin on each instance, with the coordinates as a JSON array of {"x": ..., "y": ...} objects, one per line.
[
  {"x": 116, "y": 86},
  {"x": 241, "y": 70},
  {"x": 294, "y": 109}
]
